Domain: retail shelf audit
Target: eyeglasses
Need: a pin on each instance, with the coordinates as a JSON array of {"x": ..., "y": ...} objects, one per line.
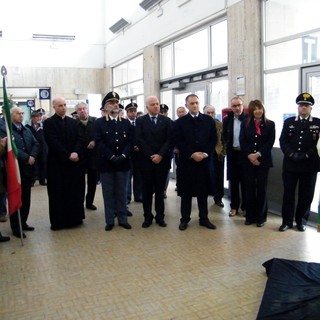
[{"x": 236, "y": 105}]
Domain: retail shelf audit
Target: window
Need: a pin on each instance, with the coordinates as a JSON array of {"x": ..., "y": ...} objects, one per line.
[
  {"x": 191, "y": 53},
  {"x": 202, "y": 50},
  {"x": 284, "y": 18},
  {"x": 219, "y": 43},
  {"x": 128, "y": 78}
]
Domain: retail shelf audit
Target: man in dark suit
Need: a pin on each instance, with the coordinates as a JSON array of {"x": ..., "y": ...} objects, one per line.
[
  {"x": 28, "y": 148},
  {"x": 86, "y": 124},
  {"x": 114, "y": 137},
  {"x": 36, "y": 128},
  {"x": 231, "y": 133},
  {"x": 301, "y": 162},
  {"x": 195, "y": 137},
  {"x": 153, "y": 136},
  {"x": 65, "y": 175}
]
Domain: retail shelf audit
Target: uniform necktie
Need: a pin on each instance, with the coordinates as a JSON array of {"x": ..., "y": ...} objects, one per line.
[
  {"x": 153, "y": 120},
  {"x": 133, "y": 123},
  {"x": 257, "y": 124}
]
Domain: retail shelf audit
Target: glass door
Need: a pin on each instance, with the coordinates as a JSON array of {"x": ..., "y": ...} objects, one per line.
[
  {"x": 202, "y": 90},
  {"x": 310, "y": 82}
]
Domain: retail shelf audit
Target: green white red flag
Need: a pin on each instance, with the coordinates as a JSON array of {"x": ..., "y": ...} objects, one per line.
[{"x": 13, "y": 173}]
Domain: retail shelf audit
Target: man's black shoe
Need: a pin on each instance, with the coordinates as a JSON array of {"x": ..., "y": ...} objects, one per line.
[
  {"x": 284, "y": 227},
  {"x": 27, "y": 228},
  {"x": 146, "y": 224},
  {"x": 219, "y": 203},
  {"x": 301, "y": 227},
  {"x": 17, "y": 234},
  {"x": 207, "y": 224},
  {"x": 109, "y": 227},
  {"x": 183, "y": 226},
  {"x": 125, "y": 225},
  {"x": 161, "y": 223},
  {"x": 91, "y": 207},
  {"x": 4, "y": 238}
]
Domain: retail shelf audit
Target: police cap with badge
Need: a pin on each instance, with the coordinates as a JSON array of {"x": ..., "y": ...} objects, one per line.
[
  {"x": 41, "y": 111},
  {"x": 163, "y": 108},
  {"x": 131, "y": 105},
  {"x": 305, "y": 98},
  {"x": 110, "y": 97},
  {"x": 35, "y": 113}
]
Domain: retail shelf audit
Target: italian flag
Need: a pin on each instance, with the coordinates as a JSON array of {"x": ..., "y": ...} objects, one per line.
[{"x": 13, "y": 173}]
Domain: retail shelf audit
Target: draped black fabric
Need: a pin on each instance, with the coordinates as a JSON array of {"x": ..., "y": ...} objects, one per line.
[{"x": 292, "y": 291}]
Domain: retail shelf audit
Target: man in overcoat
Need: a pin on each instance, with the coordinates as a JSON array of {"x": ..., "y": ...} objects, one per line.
[{"x": 195, "y": 137}]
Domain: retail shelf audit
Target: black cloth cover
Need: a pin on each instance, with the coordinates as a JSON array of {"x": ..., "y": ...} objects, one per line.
[{"x": 292, "y": 291}]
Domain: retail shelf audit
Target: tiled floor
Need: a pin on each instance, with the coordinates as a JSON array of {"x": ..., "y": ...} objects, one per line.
[{"x": 156, "y": 273}]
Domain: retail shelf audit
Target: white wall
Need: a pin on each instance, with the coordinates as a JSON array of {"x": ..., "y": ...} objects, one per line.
[
  {"x": 83, "y": 19},
  {"x": 151, "y": 29}
]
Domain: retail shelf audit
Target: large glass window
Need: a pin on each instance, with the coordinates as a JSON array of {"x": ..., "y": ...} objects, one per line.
[
  {"x": 128, "y": 71},
  {"x": 166, "y": 62},
  {"x": 219, "y": 43},
  {"x": 191, "y": 53},
  {"x": 304, "y": 49},
  {"x": 128, "y": 78},
  {"x": 280, "y": 93},
  {"x": 287, "y": 17},
  {"x": 288, "y": 46},
  {"x": 219, "y": 96},
  {"x": 205, "y": 49}
]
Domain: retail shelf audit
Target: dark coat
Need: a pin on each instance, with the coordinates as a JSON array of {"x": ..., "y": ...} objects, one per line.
[
  {"x": 87, "y": 131},
  {"x": 65, "y": 178},
  {"x": 113, "y": 139},
  {"x": 298, "y": 137},
  {"x": 39, "y": 135},
  {"x": 27, "y": 146},
  {"x": 154, "y": 140},
  {"x": 251, "y": 142},
  {"x": 194, "y": 135}
]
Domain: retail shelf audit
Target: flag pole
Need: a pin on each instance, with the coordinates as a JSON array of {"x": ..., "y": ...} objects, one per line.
[
  {"x": 13, "y": 172},
  {"x": 318, "y": 229},
  {"x": 20, "y": 227}
]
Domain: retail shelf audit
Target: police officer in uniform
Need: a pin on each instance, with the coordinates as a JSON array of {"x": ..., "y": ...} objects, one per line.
[
  {"x": 114, "y": 136},
  {"x": 301, "y": 163},
  {"x": 135, "y": 174},
  {"x": 164, "y": 109}
]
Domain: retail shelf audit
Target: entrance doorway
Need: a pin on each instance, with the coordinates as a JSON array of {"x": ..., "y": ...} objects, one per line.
[{"x": 310, "y": 82}]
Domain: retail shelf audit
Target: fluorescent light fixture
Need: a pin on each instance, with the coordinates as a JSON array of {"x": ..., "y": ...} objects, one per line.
[
  {"x": 119, "y": 25},
  {"x": 180, "y": 3},
  {"x": 53, "y": 37},
  {"x": 149, "y": 4}
]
